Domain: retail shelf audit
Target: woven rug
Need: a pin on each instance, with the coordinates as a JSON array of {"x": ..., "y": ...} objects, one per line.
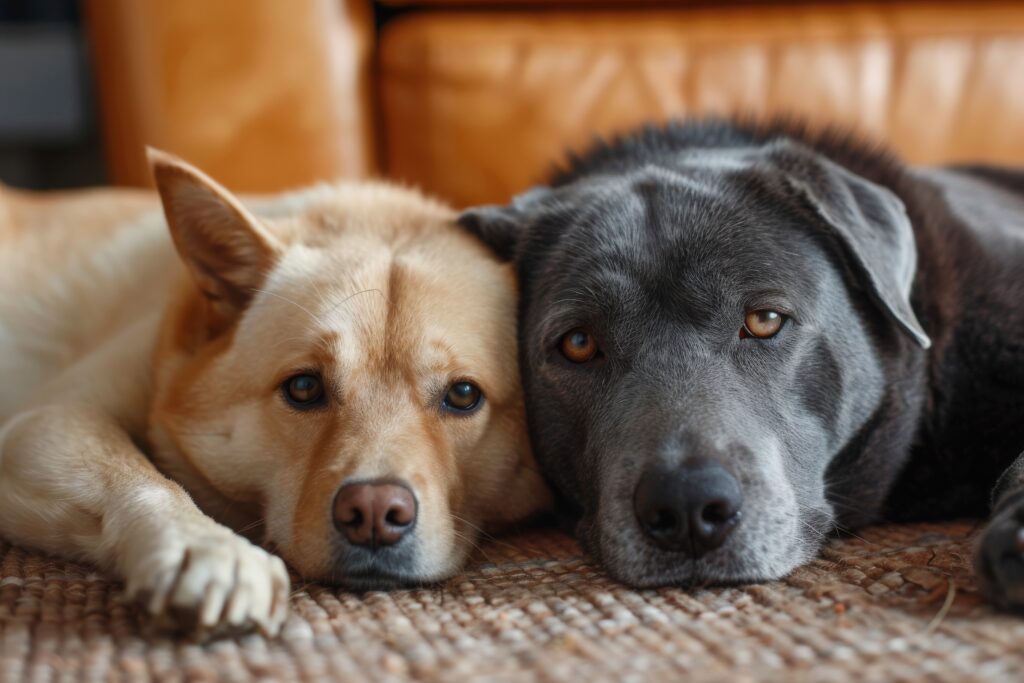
[{"x": 895, "y": 603}]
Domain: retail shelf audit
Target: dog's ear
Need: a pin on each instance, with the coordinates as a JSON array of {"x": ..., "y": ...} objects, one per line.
[
  {"x": 867, "y": 221},
  {"x": 226, "y": 250},
  {"x": 500, "y": 227}
]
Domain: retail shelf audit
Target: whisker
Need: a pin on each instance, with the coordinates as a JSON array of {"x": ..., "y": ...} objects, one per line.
[
  {"x": 355, "y": 294},
  {"x": 473, "y": 544},
  {"x": 293, "y": 303},
  {"x": 316, "y": 290},
  {"x": 252, "y": 525},
  {"x": 811, "y": 527}
]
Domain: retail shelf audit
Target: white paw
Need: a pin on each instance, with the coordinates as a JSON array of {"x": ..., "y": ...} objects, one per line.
[{"x": 213, "y": 575}]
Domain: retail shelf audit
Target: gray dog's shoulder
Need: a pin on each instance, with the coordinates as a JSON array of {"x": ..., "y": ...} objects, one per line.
[{"x": 988, "y": 199}]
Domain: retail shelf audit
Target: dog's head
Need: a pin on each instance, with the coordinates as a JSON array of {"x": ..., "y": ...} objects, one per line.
[
  {"x": 341, "y": 371},
  {"x": 701, "y": 339}
]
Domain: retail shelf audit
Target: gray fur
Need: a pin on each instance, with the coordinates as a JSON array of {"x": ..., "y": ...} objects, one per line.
[
  {"x": 661, "y": 263},
  {"x": 659, "y": 244}
]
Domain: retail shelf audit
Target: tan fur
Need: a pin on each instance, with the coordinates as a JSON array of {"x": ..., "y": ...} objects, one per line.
[{"x": 122, "y": 356}]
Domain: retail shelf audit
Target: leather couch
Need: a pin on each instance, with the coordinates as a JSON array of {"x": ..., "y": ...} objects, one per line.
[{"x": 475, "y": 100}]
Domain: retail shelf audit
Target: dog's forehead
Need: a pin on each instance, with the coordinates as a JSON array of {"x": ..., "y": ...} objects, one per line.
[
  {"x": 692, "y": 200},
  {"x": 456, "y": 302},
  {"x": 432, "y": 305},
  {"x": 661, "y": 219}
]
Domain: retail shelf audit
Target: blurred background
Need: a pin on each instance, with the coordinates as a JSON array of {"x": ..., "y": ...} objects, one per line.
[{"x": 474, "y": 99}]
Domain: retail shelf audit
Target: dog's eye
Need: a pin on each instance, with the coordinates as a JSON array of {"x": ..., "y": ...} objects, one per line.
[
  {"x": 463, "y": 397},
  {"x": 578, "y": 346},
  {"x": 763, "y": 324},
  {"x": 303, "y": 391}
]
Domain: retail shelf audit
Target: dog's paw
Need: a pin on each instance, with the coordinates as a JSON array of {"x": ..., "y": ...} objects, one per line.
[
  {"x": 212, "y": 579},
  {"x": 1001, "y": 557}
]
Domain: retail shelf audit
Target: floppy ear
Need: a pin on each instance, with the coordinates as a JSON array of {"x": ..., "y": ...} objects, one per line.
[
  {"x": 226, "y": 250},
  {"x": 497, "y": 226},
  {"x": 500, "y": 227},
  {"x": 868, "y": 222}
]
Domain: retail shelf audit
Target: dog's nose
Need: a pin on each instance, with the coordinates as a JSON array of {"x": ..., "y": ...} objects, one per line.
[
  {"x": 374, "y": 513},
  {"x": 691, "y": 508}
]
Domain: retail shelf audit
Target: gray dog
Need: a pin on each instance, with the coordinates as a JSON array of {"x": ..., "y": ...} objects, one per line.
[{"x": 738, "y": 338}]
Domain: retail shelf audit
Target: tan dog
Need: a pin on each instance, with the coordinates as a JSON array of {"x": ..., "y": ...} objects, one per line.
[{"x": 336, "y": 378}]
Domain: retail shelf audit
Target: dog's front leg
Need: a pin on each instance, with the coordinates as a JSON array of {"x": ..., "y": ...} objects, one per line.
[
  {"x": 1001, "y": 553},
  {"x": 73, "y": 483}
]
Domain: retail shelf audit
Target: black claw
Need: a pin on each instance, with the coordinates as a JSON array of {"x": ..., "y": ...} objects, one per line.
[{"x": 1001, "y": 559}]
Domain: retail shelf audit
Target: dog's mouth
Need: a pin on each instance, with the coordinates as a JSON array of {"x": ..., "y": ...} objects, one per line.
[
  {"x": 380, "y": 580},
  {"x": 360, "y": 569},
  {"x": 636, "y": 562},
  {"x": 768, "y": 542}
]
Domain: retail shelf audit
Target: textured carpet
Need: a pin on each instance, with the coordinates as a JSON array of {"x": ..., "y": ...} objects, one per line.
[{"x": 896, "y": 603}]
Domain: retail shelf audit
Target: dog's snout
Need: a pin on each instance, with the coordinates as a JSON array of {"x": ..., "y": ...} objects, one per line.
[
  {"x": 692, "y": 508},
  {"x": 374, "y": 513}
]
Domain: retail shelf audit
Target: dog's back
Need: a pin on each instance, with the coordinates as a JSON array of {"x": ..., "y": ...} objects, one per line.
[
  {"x": 991, "y": 201},
  {"x": 75, "y": 270}
]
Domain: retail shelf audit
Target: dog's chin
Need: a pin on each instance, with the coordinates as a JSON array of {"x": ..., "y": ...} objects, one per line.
[
  {"x": 362, "y": 578},
  {"x": 407, "y": 564},
  {"x": 386, "y": 574},
  {"x": 633, "y": 560},
  {"x": 381, "y": 581}
]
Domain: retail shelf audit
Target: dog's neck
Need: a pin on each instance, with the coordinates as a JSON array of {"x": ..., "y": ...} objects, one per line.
[
  {"x": 184, "y": 331},
  {"x": 860, "y": 477},
  {"x": 965, "y": 437}
]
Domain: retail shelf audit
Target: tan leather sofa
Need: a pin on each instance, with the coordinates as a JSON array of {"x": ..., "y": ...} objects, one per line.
[{"x": 475, "y": 100}]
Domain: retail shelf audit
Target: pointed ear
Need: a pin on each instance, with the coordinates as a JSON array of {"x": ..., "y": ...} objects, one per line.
[
  {"x": 500, "y": 227},
  {"x": 226, "y": 249},
  {"x": 868, "y": 223}
]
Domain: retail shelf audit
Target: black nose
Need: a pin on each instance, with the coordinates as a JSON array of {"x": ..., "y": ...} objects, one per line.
[
  {"x": 691, "y": 508},
  {"x": 374, "y": 513}
]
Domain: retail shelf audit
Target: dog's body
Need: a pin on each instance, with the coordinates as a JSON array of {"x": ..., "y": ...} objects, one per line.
[
  {"x": 748, "y": 311},
  {"x": 293, "y": 381}
]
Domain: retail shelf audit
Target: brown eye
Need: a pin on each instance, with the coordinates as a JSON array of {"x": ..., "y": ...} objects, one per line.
[
  {"x": 762, "y": 324},
  {"x": 303, "y": 391},
  {"x": 463, "y": 397},
  {"x": 578, "y": 346}
]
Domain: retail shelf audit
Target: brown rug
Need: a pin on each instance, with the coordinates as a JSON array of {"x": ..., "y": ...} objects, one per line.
[{"x": 896, "y": 603}]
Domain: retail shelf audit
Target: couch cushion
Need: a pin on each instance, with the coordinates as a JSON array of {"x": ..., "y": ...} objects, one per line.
[
  {"x": 262, "y": 95},
  {"x": 476, "y": 106}
]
